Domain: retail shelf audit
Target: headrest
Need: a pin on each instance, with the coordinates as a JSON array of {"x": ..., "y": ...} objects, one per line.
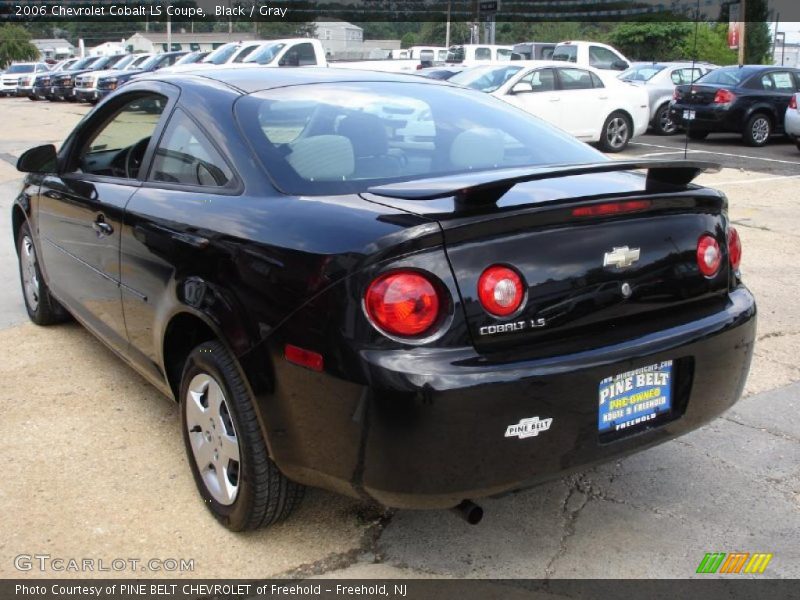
[
  {"x": 367, "y": 134},
  {"x": 322, "y": 158},
  {"x": 478, "y": 148}
]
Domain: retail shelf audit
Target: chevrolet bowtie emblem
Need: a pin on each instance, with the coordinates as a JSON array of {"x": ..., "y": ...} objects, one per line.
[{"x": 621, "y": 257}]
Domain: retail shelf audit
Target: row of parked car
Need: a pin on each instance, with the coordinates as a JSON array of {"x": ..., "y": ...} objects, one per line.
[{"x": 598, "y": 105}]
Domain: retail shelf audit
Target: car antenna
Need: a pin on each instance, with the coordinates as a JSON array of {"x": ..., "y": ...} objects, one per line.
[{"x": 694, "y": 62}]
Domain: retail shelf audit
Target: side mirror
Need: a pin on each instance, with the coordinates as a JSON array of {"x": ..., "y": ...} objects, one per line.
[
  {"x": 521, "y": 87},
  {"x": 619, "y": 65},
  {"x": 41, "y": 159}
]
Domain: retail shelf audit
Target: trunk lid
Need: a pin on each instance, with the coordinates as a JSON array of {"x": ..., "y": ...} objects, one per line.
[
  {"x": 698, "y": 94},
  {"x": 590, "y": 280}
]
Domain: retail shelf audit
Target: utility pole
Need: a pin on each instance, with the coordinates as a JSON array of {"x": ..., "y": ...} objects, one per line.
[
  {"x": 742, "y": 30},
  {"x": 447, "y": 27}
]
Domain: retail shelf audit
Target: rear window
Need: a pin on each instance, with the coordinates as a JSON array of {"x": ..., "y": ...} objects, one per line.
[
  {"x": 485, "y": 79},
  {"x": 325, "y": 139},
  {"x": 728, "y": 76},
  {"x": 641, "y": 73},
  {"x": 566, "y": 53}
]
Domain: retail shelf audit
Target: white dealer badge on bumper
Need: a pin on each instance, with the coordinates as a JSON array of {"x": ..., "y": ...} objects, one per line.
[{"x": 528, "y": 428}]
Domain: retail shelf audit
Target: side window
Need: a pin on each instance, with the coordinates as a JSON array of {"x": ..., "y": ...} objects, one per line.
[
  {"x": 543, "y": 80},
  {"x": 596, "y": 81},
  {"x": 684, "y": 76},
  {"x": 782, "y": 81},
  {"x": 575, "y": 79},
  {"x": 186, "y": 156},
  {"x": 503, "y": 54},
  {"x": 243, "y": 54},
  {"x": 601, "y": 58},
  {"x": 483, "y": 53},
  {"x": 116, "y": 148},
  {"x": 306, "y": 55}
]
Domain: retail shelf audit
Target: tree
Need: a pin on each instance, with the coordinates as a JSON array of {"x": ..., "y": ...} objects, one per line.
[
  {"x": 435, "y": 33},
  {"x": 408, "y": 40},
  {"x": 15, "y": 44},
  {"x": 650, "y": 40},
  {"x": 712, "y": 44},
  {"x": 757, "y": 37}
]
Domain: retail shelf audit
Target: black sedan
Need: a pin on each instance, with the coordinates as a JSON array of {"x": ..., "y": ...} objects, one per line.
[
  {"x": 750, "y": 100},
  {"x": 382, "y": 285}
]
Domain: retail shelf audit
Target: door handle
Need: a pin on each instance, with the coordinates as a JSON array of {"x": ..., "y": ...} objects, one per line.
[
  {"x": 101, "y": 227},
  {"x": 555, "y": 99}
]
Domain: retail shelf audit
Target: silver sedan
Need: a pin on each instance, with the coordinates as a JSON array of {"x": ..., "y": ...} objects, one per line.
[{"x": 660, "y": 79}]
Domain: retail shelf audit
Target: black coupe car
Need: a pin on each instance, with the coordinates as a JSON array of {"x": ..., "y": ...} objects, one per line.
[
  {"x": 382, "y": 285},
  {"x": 749, "y": 100}
]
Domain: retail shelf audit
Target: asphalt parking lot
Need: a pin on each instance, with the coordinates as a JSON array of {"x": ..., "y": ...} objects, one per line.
[{"x": 95, "y": 467}]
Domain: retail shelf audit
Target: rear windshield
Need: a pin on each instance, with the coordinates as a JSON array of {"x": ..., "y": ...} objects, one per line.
[
  {"x": 324, "y": 139},
  {"x": 485, "y": 79},
  {"x": 729, "y": 76},
  {"x": 641, "y": 72}
]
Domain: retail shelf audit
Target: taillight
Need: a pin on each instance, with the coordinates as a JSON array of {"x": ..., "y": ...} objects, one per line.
[
  {"x": 709, "y": 256},
  {"x": 734, "y": 248},
  {"x": 793, "y": 102},
  {"x": 500, "y": 290},
  {"x": 402, "y": 303},
  {"x": 724, "y": 97},
  {"x": 611, "y": 208}
]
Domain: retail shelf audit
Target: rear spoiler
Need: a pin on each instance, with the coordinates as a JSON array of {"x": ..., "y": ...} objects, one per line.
[{"x": 485, "y": 187}]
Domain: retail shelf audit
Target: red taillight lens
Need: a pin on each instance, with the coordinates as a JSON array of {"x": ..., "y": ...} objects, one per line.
[
  {"x": 793, "y": 102},
  {"x": 734, "y": 248},
  {"x": 500, "y": 290},
  {"x": 611, "y": 208},
  {"x": 724, "y": 97},
  {"x": 709, "y": 256},
  {"x": 403, "y": 303}
]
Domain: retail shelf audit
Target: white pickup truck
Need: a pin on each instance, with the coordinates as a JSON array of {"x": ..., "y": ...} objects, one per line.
[{"x": 591, "y": 54}]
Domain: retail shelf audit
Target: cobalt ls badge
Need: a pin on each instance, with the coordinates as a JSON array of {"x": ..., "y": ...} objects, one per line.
[
  {"x": 528, "y": 428},
  {"x": 621, "y": 257}
]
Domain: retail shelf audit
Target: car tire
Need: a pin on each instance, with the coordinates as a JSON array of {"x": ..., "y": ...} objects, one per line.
[
  {"x": 757, "y": 130},
  {"x": 662, "y": 123},
  {"x": 616, "y": 133},
  {"x": 239, "y": 483},
  {"x": 697, "y": 135},
  {"x": 42, "y": 308},
  {"x": 32, "y": 97},
  {"x": 798, "y": 145}
]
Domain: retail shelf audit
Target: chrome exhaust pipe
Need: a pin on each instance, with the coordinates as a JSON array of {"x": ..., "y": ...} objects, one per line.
[{"x": 469, "y": 511}]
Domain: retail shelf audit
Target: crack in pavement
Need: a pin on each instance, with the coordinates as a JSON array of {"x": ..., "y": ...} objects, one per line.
[
  {"x": 777, "y": 334},
  {"x": 569, "y": 516},
  {"x": 778, "y": 434},
  {"x": 376, "y": 520}
]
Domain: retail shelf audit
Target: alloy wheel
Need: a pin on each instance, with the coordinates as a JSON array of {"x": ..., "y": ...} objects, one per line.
[
  {"x": 667, "y": 125},
  {"x": 30, "y": 276},
  {"x": 760, "y": 130},
  {"x": 617, "y": 132},
  {"x": 213, "y": 439}
]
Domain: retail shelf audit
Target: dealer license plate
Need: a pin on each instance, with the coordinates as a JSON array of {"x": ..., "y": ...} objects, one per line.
[
  {"x": 689, "y": 115},
  {"x": 635, "y": 397}
]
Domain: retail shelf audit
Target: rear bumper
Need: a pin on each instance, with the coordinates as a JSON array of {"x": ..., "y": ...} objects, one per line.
[
  {"x": 429, "y": 428},
  {"x": 792, "y": 123},
  {"x": 719, "y": 118}
]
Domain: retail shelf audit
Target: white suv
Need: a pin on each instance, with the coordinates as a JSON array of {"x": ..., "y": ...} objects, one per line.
[{"x": 9, "y": 81}]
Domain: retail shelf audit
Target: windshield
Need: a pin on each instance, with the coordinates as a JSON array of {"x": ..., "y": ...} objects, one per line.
[
  {"x": 221, "y": 54},
  {"x": 485, "y": 79},
  {"x": 641, "y": 72},
  {"x": 152, "y": 62},
  {"x": 566, "y": 53},
  {"x": 125, "y": 61},
  {"x": 137, "y": 62},
  {"x": 342, "y": 138},
  {"x": 265, "y": 55},
  {"x": 725, "y": 76},
  {"x": 84, "y": 62},
  {"x": 20, "y": 69},
  {"x": 191, "y": 58}
]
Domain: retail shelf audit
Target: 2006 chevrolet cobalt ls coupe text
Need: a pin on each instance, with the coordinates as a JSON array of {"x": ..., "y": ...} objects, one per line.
[{"x": 386, "y": 286}]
